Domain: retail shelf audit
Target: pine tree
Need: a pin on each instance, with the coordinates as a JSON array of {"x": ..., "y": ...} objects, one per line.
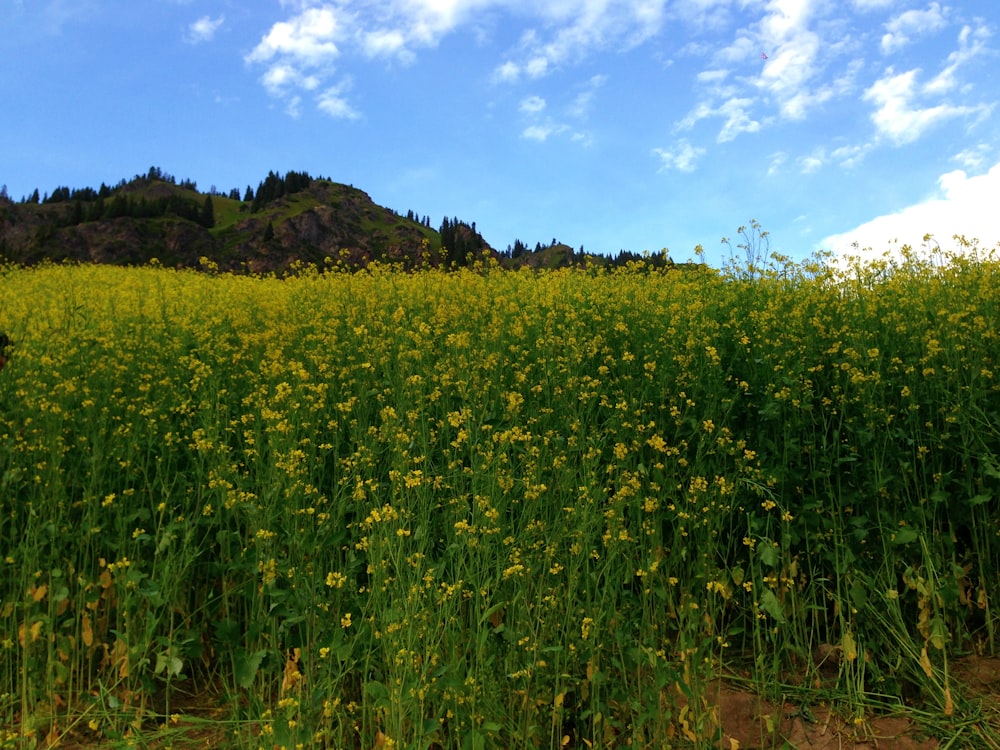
[{"x": 207, "y": 218}]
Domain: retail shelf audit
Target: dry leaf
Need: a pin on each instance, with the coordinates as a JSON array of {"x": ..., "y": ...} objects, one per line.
[
  {"x": 925, "y": 661},
  {"x": 292, "y": 674},
  {"x": 86, "y": 631}
]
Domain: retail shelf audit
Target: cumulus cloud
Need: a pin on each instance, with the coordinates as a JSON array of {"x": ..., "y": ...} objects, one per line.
[
  {"x": 203, "y": 30},
  {"x": 802, "y": 69},
  {"x": 898, "y": 115},
  {"x": 299, "y": 56},
  {"x": 682, "y": 157},
  {"x": 309, "y": 39},
  {"x": 813, "y": 161},
  {"x": 735, "y": 113},
  {"x": 961, "y": 205},
  {"x": 319, "y": 32},
  {"x": 900, "y": 30},
  {"x": 579, "y": 29},
  {"x": 904, "y": 109}
]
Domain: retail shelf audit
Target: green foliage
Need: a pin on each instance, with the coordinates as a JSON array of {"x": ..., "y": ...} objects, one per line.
[{"x": 274, "y": 187}]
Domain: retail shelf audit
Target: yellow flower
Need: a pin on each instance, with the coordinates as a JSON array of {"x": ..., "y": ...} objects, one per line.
[{"x": 335, "y": 580}]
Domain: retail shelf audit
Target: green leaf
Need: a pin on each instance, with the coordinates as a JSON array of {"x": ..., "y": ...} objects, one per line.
[
  {"x": 905, "y": 535},
  {"x": 377, "y": 692},
  {"x": 859, "y": 595},
  {"x": 980, "y": 499},
  {"x": 247, "y": 666},
  {"x": 737, "y": 574},
  {"x": 772, "y": 606},
  {"x": 768, "y": 554},
  {"x": 171, "y": 665},
  {"x": 939, "y": 633}
]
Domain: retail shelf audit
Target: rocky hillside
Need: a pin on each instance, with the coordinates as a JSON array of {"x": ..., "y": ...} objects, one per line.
[
  {"x": 287, "y": 222},
  {"x": 305, "y": 220}
]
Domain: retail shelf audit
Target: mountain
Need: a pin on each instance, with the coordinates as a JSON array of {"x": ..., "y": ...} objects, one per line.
[
  {"x": 289, "y": 221},
  {"x": 299, "y": 220}
]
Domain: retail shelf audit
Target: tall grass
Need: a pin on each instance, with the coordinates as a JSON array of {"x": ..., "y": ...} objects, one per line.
[{"x": 491, "y": 509}]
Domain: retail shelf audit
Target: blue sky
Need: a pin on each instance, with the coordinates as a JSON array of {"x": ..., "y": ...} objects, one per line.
[{"x": 607, "y": 124}]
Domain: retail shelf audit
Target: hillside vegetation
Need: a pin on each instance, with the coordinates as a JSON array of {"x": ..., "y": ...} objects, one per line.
[{"x": 289, "y": 222}]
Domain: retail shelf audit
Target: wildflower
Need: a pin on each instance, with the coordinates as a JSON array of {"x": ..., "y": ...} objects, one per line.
[{"x": 336, "y": 580}]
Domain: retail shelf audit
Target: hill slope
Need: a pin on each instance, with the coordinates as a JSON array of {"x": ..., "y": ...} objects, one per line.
[{"x": 148, "y": 218}]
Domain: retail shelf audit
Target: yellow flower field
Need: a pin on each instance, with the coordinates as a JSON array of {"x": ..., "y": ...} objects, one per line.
[{"x": 488, "y": 509}]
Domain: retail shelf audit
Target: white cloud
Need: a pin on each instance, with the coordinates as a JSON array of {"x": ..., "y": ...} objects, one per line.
[
  {"x": 386, "y": 43},
  {"x": 681, "y": 157},
  {"x": 508, "y": 72},
  {"x": 703, "y": 14},
  {"x": 897, "y": 114},
  {"x": 579, "y": 29},
  {"x": 802, "y": 45},
  {"x": 280, "y": 79},
  {"x": 800, "y": 55},
  {"x": 971, "y": 43},
  {"x": 962, "y": 205},
  {"x": 777, "y": 160},
  {"x": 903, "y": 109},
  {"x": 318, "y": 32},
  {"x": 309, "y": 39},
  {"x": 541, "y": 132},
  {"x": 299, "y": 55},
  {"x": 585, "y": 99},
  {"x": 973, "y": 157},
  {"x": 900, "y": 29},
  {"x": 846, "y": 157},
  {"x": 203, "y": 30},
  {"x": 543, "y": 126},
  {"x": 532, "y": 105},
  {"x": 850, "y": 156},
  {"x": 735, "y": 113},
  {"x": 813, "y": 161},
  {"x": 333, "y": 103}
]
